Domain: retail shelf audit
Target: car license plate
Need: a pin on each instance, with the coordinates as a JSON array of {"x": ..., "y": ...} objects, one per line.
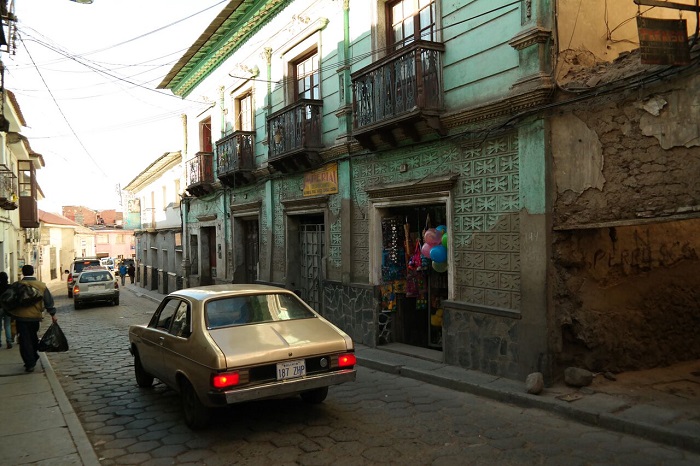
[{"x": 291, "y": 369}]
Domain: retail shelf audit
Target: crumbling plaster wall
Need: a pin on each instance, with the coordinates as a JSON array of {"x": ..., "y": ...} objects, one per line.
[{"x": 627, "y": 272}]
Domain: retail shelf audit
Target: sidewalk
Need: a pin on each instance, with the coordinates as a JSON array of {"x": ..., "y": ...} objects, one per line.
[
  {"x": 663, "y": 405},
  {"x": 42, "y": 427}
]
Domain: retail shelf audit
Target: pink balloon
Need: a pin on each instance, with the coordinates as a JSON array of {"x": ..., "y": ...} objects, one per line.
[
  {"x": 425, "y": 250},
  {"x": 432, "y": 236}
]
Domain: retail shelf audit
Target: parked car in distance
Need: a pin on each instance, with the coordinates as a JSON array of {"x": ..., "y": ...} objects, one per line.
[
  {"x": 107, "y": 262},
  {"x": 222, "y": 344},
  {"x": 75, "y": 268},
  {"x": 95, "y": 284}
]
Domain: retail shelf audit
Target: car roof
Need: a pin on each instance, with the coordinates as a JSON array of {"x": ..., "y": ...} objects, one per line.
[{"x": 205, "y": 292}]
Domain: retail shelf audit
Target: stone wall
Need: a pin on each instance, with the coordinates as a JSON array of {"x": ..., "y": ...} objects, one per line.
[
  {"x": 626, "y": 293},
  {"x": 353, "y": 309}
]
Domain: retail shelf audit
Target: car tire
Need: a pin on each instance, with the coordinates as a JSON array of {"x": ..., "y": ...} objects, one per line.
[
  {"x": 143, "y": 378},
  {"x": 315, "y": 396},
  {"x": 77, "y": 305},
  {"x": 196, "y": 414},
  {"x": 116, "y": 301}
]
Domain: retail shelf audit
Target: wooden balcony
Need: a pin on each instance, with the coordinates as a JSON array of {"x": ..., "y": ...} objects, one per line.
[
  {"x": 8, "y": 191},
  {"x": 200, "y": 174},
  {"x": 294, "y": 137},
  {"x": 236, "y": 158},
  {"x": 399, "y": 96}
]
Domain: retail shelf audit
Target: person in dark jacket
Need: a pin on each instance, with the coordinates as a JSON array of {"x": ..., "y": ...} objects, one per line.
[
  {"x": 5, "y": 318},
  {"x": 131, "y": 271},
  {"x": 27, "y": 319}
]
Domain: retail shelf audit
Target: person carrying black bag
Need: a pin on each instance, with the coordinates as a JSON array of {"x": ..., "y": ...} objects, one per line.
[{"x": 27, "y": 319}]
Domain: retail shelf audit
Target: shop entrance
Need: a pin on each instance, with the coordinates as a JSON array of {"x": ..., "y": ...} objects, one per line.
[{"x": 413, "y": 286}]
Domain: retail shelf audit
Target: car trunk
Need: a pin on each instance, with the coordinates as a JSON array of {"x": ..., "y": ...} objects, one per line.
[{"x": 254, "y": 344}]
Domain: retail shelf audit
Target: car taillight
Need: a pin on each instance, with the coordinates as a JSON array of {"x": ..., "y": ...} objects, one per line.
[
  {"x": 70, "y": 278},
  {"x": 116, "y": 285},
  {"x": 346, "y": 360},
  {"x": 76, "y": 289},
  {"x": 225, "y": 379}
]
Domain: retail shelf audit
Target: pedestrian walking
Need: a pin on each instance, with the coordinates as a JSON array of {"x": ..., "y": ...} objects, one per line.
[
  {"x": 122, "y": 272},
  {"x": 131, "y": 271},
  {"x": 5, "y": 318},
  {"x": 27, "y": 318}
]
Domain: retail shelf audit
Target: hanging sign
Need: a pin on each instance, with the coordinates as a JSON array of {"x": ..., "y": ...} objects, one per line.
[
  {"x": 663, "y": 41},
  {"x": 321, "y": 181}
]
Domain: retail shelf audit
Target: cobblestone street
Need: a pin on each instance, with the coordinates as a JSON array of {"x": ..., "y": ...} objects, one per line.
[{"x": 380, "y": 418}]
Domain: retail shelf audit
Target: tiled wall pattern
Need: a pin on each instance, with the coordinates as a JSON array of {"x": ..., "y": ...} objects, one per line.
[{"x": 485, "y": 229}]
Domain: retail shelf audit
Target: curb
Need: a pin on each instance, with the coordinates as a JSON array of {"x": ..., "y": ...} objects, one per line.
[{"x": 83, "y": 445}]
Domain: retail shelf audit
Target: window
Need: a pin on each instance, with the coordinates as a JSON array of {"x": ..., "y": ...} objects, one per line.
[
  {"x": 205, "y": 136},
  {"x": 120, "y": 239},
  {"x": 101, "y": 239},
  {"x": 411, "y": 20},
  {"x": 243, "y": 106},
  {"x": 307, "y": 77},
  {"x": 165, "y": 198}
]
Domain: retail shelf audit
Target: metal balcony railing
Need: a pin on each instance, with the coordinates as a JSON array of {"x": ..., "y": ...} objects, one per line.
[
  {"x": 295, "y": 128},
  {"x": 401, "y": 83},
  {"x": 235, "y": 152},
  {"x": 200, "y": 169}
]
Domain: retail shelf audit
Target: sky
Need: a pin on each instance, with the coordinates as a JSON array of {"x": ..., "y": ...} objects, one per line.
[{"x": 85, "y": 78}]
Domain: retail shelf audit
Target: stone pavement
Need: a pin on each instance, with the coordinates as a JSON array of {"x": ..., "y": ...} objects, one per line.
[
  {"x": 38, "y": 424},
  {"x": 661, "y": 405}
]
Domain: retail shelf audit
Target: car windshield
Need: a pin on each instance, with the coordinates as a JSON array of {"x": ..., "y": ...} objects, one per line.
[
  {"x": 253, "y": 309},
  {"x": 89, "y": 277}
]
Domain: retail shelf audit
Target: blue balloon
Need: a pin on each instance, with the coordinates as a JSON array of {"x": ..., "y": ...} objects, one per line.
[
  {"x": 438, "y": 253},
  {"x": 441, "y": 228}
]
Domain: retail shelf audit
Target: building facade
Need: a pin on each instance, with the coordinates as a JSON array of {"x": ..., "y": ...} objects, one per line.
[
  {"x": 19, "y": 192},
  {"x": 154, "y": 198},
  {"x": 402, "y": 165}
]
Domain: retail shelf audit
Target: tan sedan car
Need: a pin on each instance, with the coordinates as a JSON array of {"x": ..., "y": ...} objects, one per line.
[{"x": 223, "y": 344}]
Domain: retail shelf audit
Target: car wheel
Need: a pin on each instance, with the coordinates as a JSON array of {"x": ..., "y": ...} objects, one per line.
[
  {"x": 196, "y": 414},
  {"x": 116, "y": 301},
  {"x": 143, "y": 378},
  {"x": 70, "y": 293},
  {"x": 315, "y": 396},
  {"x": 76, "y": 305}
]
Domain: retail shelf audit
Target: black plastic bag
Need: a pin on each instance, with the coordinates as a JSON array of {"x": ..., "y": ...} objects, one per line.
[{"x": 53, "y": 341}]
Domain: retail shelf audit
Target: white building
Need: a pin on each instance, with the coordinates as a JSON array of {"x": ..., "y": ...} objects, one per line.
[{"x": 156, "y": 192}]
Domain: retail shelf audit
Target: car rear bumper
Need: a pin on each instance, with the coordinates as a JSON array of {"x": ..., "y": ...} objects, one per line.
[
  {"x": 95, "y": 297},
  {"x": 280, "y": 388}
]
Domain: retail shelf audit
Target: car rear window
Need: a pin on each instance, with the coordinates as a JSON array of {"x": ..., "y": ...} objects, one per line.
[
  {"x": 89, "y": 277},
  {"x": 253, "y": 309},
  {"x": 79, "y": 266}
]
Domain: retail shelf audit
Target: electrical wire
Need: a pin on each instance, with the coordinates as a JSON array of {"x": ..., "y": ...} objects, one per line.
[{"x": 48, "y": 89}]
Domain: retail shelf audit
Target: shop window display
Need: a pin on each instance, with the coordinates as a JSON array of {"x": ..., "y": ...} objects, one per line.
[{"x": 414, "y": 278}]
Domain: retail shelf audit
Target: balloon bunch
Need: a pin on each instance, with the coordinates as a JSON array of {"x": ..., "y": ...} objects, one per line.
[{"x": 435, "y": 247}]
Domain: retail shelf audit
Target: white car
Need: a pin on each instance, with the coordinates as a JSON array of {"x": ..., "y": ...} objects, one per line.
[{"x": 95, "y": 285}]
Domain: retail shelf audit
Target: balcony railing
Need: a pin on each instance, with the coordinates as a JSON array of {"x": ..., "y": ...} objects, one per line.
[
  {"x": 200, "y": 173},
  {"x": 8, "y": 191},
  {"x": 401, "y": 85},
  {"x": 236, "y": 157},
  {"x": 295, "y": 130}
]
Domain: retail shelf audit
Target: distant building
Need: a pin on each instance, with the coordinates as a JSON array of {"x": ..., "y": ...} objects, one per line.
[
  {"x": 87, "y": 217},
  {"x": 60, "y": 241}
]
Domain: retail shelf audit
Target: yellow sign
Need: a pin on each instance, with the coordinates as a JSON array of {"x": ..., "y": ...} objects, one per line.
[{"x": 321, "y": 181}]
